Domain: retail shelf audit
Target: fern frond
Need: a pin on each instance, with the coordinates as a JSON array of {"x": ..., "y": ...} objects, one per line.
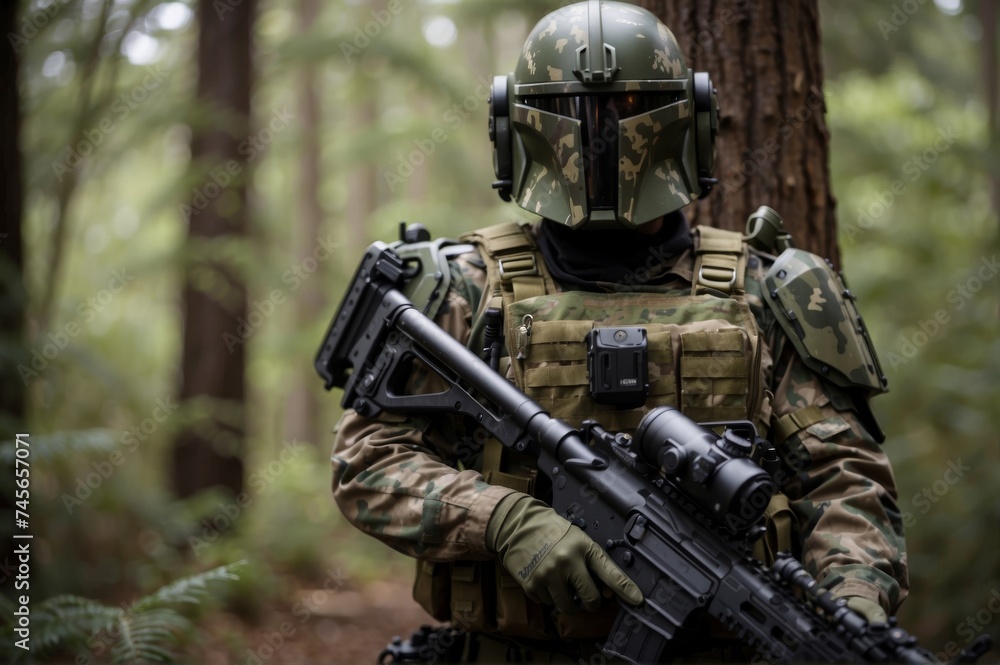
[
  {"x": 70, "y": 620},
  {"x": 191, "y": 589},
  {"x": 143, "y": 634},
  {"x": 143, "y": 629}
]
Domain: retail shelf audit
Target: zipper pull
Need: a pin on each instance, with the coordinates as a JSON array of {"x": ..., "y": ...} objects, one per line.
[{"x": 523, "y": 336}]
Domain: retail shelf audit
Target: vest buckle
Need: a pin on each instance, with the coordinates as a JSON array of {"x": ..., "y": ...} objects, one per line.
[
  {"x": 718, "y": 277},
  {"x": 518, "y": 265}
]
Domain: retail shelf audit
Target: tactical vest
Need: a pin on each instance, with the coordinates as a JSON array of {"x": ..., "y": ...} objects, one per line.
[{"x": 704, "y": 358}]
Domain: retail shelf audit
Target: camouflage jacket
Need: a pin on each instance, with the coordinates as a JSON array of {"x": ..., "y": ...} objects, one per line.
[{"x": 413, "y": 482}]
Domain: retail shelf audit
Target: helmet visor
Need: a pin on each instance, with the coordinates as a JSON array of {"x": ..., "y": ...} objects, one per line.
[{"x": 599, "y": 116}]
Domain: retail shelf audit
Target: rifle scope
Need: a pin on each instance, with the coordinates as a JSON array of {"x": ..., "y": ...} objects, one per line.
[{"x": 714, "y": 471}]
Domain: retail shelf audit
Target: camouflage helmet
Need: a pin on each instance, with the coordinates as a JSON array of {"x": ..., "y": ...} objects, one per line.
[{"x": 602, "y": 125}]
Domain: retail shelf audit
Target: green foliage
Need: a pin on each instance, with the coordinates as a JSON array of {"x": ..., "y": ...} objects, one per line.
[
  {"x": 137, "y": 633},
  {"x": 906, "y": 113}
]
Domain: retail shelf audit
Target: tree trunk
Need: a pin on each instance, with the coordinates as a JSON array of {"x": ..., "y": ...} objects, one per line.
[
  {"x": 301, "y": 407},
  {"x": 210, "y": 454},
  {"x": 12, "y": 295},
  {"x": 773, "y": 148}
]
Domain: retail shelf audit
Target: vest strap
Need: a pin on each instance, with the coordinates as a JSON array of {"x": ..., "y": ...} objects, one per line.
[
  {"x": 720, "y": 261},
  {"x": 513, "y": 260}
]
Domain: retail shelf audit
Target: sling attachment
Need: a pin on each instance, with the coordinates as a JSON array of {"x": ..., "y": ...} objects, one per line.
[{"x": 493, "y": 337}]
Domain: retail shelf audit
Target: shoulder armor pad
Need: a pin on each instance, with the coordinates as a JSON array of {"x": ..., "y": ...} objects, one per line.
[
  {"x": 818, "y": 314},
  {"x": 428, "y": 276}
]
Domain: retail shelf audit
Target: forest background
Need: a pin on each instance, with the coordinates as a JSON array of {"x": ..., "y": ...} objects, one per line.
[{"x": 357, "y": 115}]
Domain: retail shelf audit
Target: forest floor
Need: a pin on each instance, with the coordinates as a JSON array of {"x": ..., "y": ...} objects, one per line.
[{"x": 351, "y": 623}]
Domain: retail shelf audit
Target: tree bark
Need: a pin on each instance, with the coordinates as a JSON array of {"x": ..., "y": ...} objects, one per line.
[
  {"x": 210, "y": 453},
  {"x": 773, "y": 148}
]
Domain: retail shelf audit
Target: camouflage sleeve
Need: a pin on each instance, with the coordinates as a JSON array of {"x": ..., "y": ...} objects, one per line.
[
  {"x": 397, "y": 477},
  {"x": 840, "y": 485}
]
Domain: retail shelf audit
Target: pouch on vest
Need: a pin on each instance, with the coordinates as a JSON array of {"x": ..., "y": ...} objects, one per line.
[
  {"x": 715, "y": 374},
  {"x": 517, "y": 616},
  {"x": 779, "y": 521},
  {"x": 432, "y": 588},
  {"x": 704, "y": 354},
  {"x": 472, "y": 595}
]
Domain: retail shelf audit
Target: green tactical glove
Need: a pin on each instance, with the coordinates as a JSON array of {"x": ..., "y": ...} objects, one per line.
[
  {"x": 869, "y": 609},
  {"x": 552, "y": 559}
]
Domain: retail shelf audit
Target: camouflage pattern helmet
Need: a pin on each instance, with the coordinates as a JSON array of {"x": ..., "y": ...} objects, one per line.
[{"x": 602, "y": 125}]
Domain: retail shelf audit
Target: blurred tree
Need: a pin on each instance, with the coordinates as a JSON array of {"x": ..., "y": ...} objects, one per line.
[
  {"x": 988, "y": 18},
  {"x": 773, "y": 148},
  {"x": 87, "y": 109},
  {"x": 214, "y": 292},
  {"x": 12, "y": 296},
  {"x": 301, "y": 405}
]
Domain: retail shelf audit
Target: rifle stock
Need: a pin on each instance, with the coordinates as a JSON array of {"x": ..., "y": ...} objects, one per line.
[{"x": 677, "y": 508}]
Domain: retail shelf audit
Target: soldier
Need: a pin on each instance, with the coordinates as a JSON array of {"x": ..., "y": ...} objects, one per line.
[{"x": 604, "y": 132}]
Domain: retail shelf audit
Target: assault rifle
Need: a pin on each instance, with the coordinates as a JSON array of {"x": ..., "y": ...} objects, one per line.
[{"x": 677, "y": 506}]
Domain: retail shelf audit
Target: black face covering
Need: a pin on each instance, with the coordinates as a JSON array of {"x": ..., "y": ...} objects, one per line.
[{"x": 580, "y": 259}]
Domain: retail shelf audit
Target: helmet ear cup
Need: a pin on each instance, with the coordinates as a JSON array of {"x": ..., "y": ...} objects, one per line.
[
  {"x": 501, "y": 137},
  {"x": 706, "y": 108}
]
